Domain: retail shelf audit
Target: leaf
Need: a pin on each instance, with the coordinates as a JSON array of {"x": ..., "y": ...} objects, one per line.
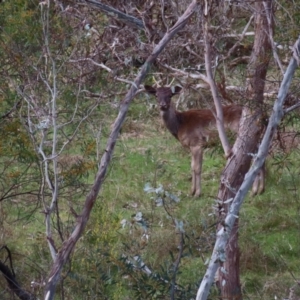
[
  {"x": 148, "y": 188},
  {"x": 159, "y": 190},
  {"x": 123, "y": 223},
  {"x": 173, "y": 197},
  {"x": 144, "y": 224},
  {"x": 44, "y": 124},
  {"x": 139, "y": 216},
  {"x": 159, "y": 201},
  {"x": 179, "y": 226}
]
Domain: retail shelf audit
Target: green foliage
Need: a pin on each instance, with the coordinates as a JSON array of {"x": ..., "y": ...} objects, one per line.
[{"x": 132, "y": 240}]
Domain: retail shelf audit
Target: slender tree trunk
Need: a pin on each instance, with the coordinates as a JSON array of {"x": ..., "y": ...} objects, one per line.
[
  {"x": 232, "y": 178},
  {"x": 245, "y": 146},
  {"x": 223, "y": 235},
  {"x": 69, "y": 245}
]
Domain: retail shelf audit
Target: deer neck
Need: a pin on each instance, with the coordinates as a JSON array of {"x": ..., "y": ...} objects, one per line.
[{"x": 171, "y": 120}]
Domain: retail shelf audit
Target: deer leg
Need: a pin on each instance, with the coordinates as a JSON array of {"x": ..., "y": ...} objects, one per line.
[
  {"x": 258, "y": 186},
  {"x": 196, "y": 167}
]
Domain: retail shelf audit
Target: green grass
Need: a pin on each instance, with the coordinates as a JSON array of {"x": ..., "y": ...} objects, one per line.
[
  {"x": 269, "y": 236},
  {"x": 147, "y": 153}
]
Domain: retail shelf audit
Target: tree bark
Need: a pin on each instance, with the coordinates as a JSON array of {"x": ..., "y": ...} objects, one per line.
[
  {"x": 224, "y": 233},
  {"x": 252, "y": 123}
]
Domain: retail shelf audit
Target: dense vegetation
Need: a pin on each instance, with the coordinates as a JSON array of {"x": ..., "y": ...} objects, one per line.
[{"x": 146, "y": 235}]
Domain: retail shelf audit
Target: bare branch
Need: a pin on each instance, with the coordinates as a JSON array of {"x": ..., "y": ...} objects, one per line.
[
  {"x": 10, "y": 278},
  {"x": 11, "y": 110},
  {"x": 69, "y": 245},
  {"x": 129, "y": 20},
  {"x": 269, "y": 15},
  {"x": 101, "y": 65},
  {"x": 162, "y": 4},
  {"x": 224, "y": 233},
  {"x": 289, "y": 109},
  {"x": 186, "y": 74},
  {"x": 214, "y": 92},
  {"x": 241, "y": 36}
]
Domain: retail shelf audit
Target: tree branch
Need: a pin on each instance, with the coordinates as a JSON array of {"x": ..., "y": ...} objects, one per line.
[
  {"x": 10, "y": 278},
  {"x": 224, "y": 233},
  {"x": 129, "y": 20},
  {"x": 218, "y": 105},
  {"x": 271, "y": 34},
  {"x": 69, "y": 245}
]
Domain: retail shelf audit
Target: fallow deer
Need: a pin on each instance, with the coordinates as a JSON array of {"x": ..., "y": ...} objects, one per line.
[{"x": 193, "y": 128}]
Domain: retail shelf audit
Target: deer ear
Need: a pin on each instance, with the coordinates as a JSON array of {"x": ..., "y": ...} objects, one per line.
[
  {"x": 176, "y": 90},
  {"x": 150, "y": 89}
]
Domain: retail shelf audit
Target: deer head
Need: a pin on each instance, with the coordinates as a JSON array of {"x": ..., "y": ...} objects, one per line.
[{"x": 163, "y": 95}]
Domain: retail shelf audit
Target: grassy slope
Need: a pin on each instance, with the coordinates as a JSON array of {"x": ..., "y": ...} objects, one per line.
[
  {"x": 269, "y": 224},
  {"x": 146, "y": 152}
]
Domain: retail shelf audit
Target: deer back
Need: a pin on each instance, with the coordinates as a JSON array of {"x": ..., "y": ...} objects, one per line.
[
  {"x": 192, "y": 127},
  {"x": 232, "y": 115},
  {"x": 198, "y": 126}
]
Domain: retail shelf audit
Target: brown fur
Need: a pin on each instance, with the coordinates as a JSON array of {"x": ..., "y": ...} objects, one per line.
[{"x": 193, "y": 128}]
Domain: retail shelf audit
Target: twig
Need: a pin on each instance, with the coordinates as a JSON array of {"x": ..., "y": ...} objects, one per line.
[
  {"x": 132, "y": 21},
  {"x": 271, "y": 33},
  {"x": 291, "y": 108},
  {"x": 187, "y": 74},
  {"x": 10, "y": 278},
  {"x": 210, "y": 80},
  {"x": 241, "y": 36},
  {"x": 101, "y": 65},
  {"x": 176, "y": 266}
]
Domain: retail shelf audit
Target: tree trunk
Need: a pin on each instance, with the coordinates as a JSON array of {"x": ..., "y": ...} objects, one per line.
[
  {"x": 232, "y": 178},
  {"x": 225, "y": 233},
  {"x": 245, "y": 146}
]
